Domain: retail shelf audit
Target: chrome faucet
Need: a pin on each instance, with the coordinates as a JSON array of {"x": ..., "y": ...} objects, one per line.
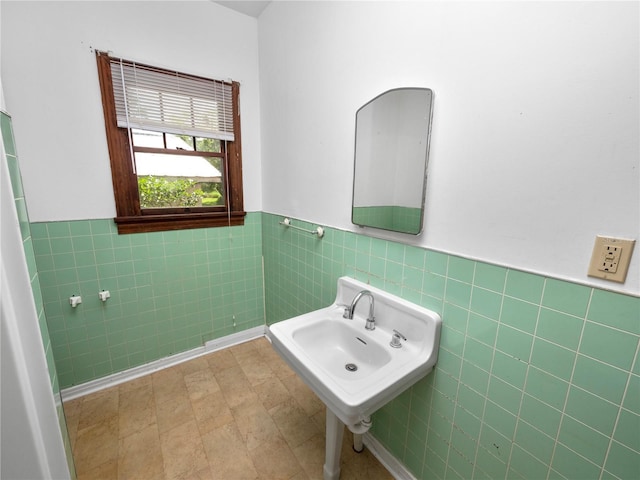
[{"x": 348, "y": 311}]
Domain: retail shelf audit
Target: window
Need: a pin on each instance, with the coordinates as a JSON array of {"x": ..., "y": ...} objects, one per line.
[{"x": 174, "y": 145}]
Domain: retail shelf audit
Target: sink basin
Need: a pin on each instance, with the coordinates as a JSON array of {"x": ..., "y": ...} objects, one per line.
[
  {"x": 340, "y": 349},
  {"x": 355, "y": 371}
]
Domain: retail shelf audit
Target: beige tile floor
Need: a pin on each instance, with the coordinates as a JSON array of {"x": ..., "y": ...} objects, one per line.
[{"x": 236, "y": 414}]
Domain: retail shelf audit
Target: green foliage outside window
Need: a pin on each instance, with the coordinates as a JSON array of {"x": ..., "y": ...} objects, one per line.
[
  {"x": 212, "y": 198},
  {"x": 159, "y": 192}
]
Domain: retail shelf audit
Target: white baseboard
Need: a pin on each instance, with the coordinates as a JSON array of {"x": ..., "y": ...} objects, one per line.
[
  {"x": 136, "y": 372},
  {"x": 390, "y": 462}
]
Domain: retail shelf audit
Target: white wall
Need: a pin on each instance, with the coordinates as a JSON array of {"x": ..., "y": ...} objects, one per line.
[
  {"x": 536, "y": 105},
  {"x": 535, "y": 128},
  {"x": 51, "y": 88}
]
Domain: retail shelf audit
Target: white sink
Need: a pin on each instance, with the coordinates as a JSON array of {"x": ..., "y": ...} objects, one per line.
[
  {"x": 323, "y": 348},
  {"x": 318, "y": 346},
  {"x": 333, "y": 343}
]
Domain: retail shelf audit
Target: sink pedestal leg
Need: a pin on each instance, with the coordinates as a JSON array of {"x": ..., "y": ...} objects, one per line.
[
  {"x": 333, "y": 446},
  {"x": 358, "y": 446}
]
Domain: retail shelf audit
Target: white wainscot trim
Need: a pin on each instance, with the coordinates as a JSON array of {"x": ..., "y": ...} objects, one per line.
[
  {"x": 391, "y": 463},
  {"x": 136, "y": 372}
]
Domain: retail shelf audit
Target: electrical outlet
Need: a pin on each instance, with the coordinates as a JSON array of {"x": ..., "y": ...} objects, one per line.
[{"x": 610, "y": 259}]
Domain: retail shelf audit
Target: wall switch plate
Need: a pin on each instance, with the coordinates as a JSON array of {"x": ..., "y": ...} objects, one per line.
[{"x": 610, "y": 259}]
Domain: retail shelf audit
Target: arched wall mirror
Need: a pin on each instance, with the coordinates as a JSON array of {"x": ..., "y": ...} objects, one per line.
[{"x": 391, "y": 155}]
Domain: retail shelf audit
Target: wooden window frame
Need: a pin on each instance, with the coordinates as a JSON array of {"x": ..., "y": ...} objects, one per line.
[{"x": 131, "y": 218}]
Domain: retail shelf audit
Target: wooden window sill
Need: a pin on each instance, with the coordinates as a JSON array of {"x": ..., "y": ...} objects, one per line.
[{"x": 159, "y": 223}]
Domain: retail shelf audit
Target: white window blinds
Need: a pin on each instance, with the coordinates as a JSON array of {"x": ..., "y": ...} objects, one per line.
[{"x": 162, "y": 100}]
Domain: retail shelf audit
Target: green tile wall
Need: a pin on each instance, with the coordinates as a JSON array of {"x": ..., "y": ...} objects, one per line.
[
  {"x": 537, "y": 378},
  {"x": 6, "y": 126},
  {"x": 170, "y": 291}
]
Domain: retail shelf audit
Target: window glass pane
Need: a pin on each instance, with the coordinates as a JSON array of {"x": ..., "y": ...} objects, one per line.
[
  {"x": 208, "y": 145},
  {"x": 179, "y": 142},
  {"x": 147, "y": 138},
  {"x": 177, "y": 181}
]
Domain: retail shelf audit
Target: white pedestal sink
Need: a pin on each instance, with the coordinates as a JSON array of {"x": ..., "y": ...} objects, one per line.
[{"x": 355, "y": 371}]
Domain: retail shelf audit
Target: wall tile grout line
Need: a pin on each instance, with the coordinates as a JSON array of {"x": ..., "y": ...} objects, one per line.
[
  {"x": 617, "y": 420},
  {"x": 564, "y": 408},
  {"x": 522, "y": 396}
]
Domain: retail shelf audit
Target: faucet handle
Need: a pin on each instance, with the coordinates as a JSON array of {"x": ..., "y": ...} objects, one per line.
[
  {"x": 395, "y": 339},
  {"x": 345, "y": 307},
  {"x": 399, "y": 334}
]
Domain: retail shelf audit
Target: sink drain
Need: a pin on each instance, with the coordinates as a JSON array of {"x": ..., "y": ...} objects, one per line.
[{"x": 352, "y": 367}]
